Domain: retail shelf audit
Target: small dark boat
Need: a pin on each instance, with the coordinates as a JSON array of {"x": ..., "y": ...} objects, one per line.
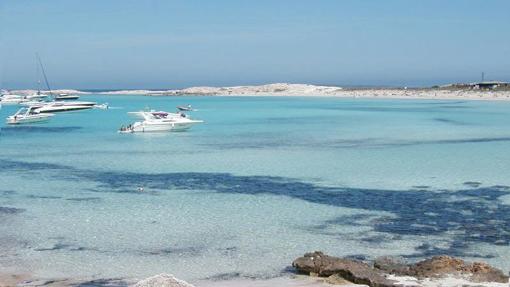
[{"x": 187, "y": 108}]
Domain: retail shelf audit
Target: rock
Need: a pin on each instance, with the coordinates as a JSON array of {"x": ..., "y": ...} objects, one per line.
[
  {"x": 437, "y": 266},
  {"x": 441, "y": 266},
  {"x": 336, "y": 279},
  {"x": 162, "y": 280},
  {"x": 482, "y": 272},
  {"x": 392, "y": 265},
  {"x": 351, "y": 270},
  {"x": 358, "y": 272}
]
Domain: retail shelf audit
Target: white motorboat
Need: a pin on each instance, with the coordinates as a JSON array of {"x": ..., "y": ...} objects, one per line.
[
  {"x": 159, "y": 126},
  {"x": 28, "y": 115},
  {"x": 12, "y": 99},
  {"x": 65, "y": 97},
  {"x": 159, "y": 122},
  {"x": 55, "y": 107}
]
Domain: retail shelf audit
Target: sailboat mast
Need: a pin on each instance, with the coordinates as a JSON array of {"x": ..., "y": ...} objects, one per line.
[
  {"x": 37, "y": 76},
  {"x": 44, "y": 73}
]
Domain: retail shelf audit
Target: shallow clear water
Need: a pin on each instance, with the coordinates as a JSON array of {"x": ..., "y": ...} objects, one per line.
[{"x": 262, "y": 181}]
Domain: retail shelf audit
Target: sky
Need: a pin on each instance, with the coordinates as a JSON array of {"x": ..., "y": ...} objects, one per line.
[{"x": 123, "y": 44}]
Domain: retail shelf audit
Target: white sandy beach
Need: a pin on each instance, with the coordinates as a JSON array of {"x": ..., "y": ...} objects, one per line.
[{"x": 304, "y": 90}]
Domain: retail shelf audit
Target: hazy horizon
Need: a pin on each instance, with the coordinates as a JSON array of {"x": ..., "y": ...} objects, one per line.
[{"x": 178, "y": 44}]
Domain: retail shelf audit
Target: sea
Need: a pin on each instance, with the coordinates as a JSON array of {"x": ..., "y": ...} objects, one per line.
[{"x": 261, "y": 182}]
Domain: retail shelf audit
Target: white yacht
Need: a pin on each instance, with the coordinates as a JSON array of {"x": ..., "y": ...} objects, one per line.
[
  {"x": 27, "y": 115},
  {"x": 159, "y": 122},
  {"x": 55, "y": 107}
]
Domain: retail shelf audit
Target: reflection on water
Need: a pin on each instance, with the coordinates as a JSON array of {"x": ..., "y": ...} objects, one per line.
[{"x": 37, "y": 129}]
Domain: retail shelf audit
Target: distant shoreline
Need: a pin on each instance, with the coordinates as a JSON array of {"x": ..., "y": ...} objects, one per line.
[{"x": 452, "y": 92}]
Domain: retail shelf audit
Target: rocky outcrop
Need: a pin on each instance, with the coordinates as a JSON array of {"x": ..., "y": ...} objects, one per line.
[
  {"x": 269, "y": 89},
  {"x": 440, "y": 266},
  {"x": 317, "y": 263},
  {"x": 162, "y": 280},
  {"x": 351, "y": 270}
]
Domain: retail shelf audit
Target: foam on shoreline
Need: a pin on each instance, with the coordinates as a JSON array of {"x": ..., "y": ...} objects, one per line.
[{"x": 295, "y": 281}]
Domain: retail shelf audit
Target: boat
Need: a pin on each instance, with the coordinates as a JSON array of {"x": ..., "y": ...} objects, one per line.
[
  {"x": 159, "y": 126},
  {"x": 10, "y": 99},
  {"x": 101, "y": 106},
  {"x": 38, "y": 96},
  {"x": 187, "y": 108},
  {"x": 159, "y": 122},
  {"x": 56, "y": 107},
  {"x": 61, "y": 106},
  {"x": 27, "y": 115},
  {"x": 65, "y": 97}
]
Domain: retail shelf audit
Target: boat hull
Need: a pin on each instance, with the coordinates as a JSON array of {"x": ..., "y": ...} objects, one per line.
[
  {"x": 150, "y": 127},
  {"x": 64, "y": 98},
  {"x": 60, "y": 109}
]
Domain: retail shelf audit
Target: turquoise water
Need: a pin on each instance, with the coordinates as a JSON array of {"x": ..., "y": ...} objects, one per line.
[{"x": 262, "y": 181}]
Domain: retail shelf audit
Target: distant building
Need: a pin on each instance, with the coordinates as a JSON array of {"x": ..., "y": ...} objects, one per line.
[
  {"x": 484, "y": 85},
  {"x": 489, "y": 85}
]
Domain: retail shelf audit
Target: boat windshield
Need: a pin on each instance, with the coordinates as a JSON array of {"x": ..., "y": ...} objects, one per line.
[
  {"x": 159, "y": 115},
  {"x": 21, "y": 111}
]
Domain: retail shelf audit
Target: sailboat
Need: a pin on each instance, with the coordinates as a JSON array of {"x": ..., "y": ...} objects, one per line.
[
  {"x": 58, "y": 106},
  {"x": 38, "y": 95}
]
